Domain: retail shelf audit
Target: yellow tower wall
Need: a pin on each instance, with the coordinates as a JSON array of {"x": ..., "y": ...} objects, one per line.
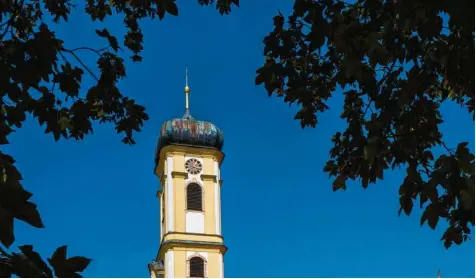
[
  {"x": 208, "y": 181},
  {"x": 179, "y": 243}
]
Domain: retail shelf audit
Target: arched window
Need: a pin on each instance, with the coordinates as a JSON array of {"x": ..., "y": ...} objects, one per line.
[
  {"x": 194, "y": 197},
  {"x": 197, "y": 267}
]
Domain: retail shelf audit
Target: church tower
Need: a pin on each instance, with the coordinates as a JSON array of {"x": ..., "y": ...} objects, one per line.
[{"x": 187, "y": 162}]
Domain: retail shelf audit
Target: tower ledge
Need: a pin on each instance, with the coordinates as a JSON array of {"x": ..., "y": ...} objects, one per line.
[
  {"x": 187, "y": 244},
  {"x": 179, "y": 149}
]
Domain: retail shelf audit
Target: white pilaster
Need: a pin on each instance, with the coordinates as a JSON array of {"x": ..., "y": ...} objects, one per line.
[
  {"x": 170, "y": 222},
  {"x": 220, "y": 262},
  {"x": 169, "y": 264},
  {"x": 217, "y": 199}
]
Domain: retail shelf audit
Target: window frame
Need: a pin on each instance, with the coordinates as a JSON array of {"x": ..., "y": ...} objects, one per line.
[{"x": 189, "y": 265}]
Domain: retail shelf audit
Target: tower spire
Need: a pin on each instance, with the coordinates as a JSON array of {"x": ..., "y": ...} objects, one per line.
[{"x": 187, "y": 90}]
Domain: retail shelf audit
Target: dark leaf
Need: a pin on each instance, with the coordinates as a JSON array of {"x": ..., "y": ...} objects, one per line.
[
  {"x": 29, "y": 214},
  {"x": 78, "y": 264},
  {"x": 172, "y": 9},
  {"x": 136, "y": 58},
  {"x": 36, "y": 259},
  {"x": 406, "y": 204},
  {"x": 6, "y": 228},
  {"x": 59, "y": 257}
]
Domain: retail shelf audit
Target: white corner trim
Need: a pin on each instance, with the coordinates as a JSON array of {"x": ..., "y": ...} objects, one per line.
[
  {"x": 169, "y": 264},
  {"x": 217, "y": 199},
  {"x": 220, "y": 264},
  {"x": 170, "y": 196}
]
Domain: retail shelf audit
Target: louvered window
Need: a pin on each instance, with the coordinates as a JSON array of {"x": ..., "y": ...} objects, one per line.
[
  {"x": 197, "y": 267},
  {"x": 194, "y": 197}
]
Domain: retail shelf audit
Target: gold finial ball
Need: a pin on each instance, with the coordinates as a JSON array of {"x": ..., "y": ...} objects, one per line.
[{"x": 187, "y": 89}]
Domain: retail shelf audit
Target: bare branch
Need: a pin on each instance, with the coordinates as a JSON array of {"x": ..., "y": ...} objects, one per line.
[{"x": 97, "y": 51}]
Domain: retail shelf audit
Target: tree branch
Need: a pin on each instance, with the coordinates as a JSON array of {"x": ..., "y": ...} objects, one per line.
[
  {"x": 97, "y": 51},
  {"x": 447, "y": 148},
  {"x": 80, "y": 62}
]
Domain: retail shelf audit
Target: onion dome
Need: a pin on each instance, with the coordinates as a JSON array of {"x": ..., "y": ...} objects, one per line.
[{"x": 189, "y": 131}]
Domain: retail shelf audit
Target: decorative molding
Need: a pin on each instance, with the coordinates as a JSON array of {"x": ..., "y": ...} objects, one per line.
[
  {"x": 189, "y": 244},
  {"x": 179, "y": 174},
  {"x": 195, "y": 211},
  {"x": 200, "y": 152},
  {"x": 208, "y": 156},
  {"x": 198, "y": 234},
  {"x": 196, "y": 254},
  {"x": 209, "y": 177}
]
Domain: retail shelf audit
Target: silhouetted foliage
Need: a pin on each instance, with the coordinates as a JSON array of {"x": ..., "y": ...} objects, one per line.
[
  {"x": 40, "y": 76},
  {"x": 29, "y": 263},
  {"x": 396, "y": 62}
]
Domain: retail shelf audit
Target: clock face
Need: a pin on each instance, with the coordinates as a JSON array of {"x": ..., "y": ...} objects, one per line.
[{"x": 193, "y": 166}]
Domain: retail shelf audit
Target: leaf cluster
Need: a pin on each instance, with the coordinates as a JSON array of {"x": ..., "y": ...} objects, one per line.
[
  {"x": 396, "y": 62},
  {"x": 29, "y": 264}
]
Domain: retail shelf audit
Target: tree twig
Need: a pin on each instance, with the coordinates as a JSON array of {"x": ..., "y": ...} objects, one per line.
[
  {"x": 80, "y": 62},
  {"x": 447, "y": 148},
  {"x": 97, "y": 51}
]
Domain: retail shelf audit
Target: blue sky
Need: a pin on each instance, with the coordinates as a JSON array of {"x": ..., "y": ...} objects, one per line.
[{"x": 280, "y": 216}]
